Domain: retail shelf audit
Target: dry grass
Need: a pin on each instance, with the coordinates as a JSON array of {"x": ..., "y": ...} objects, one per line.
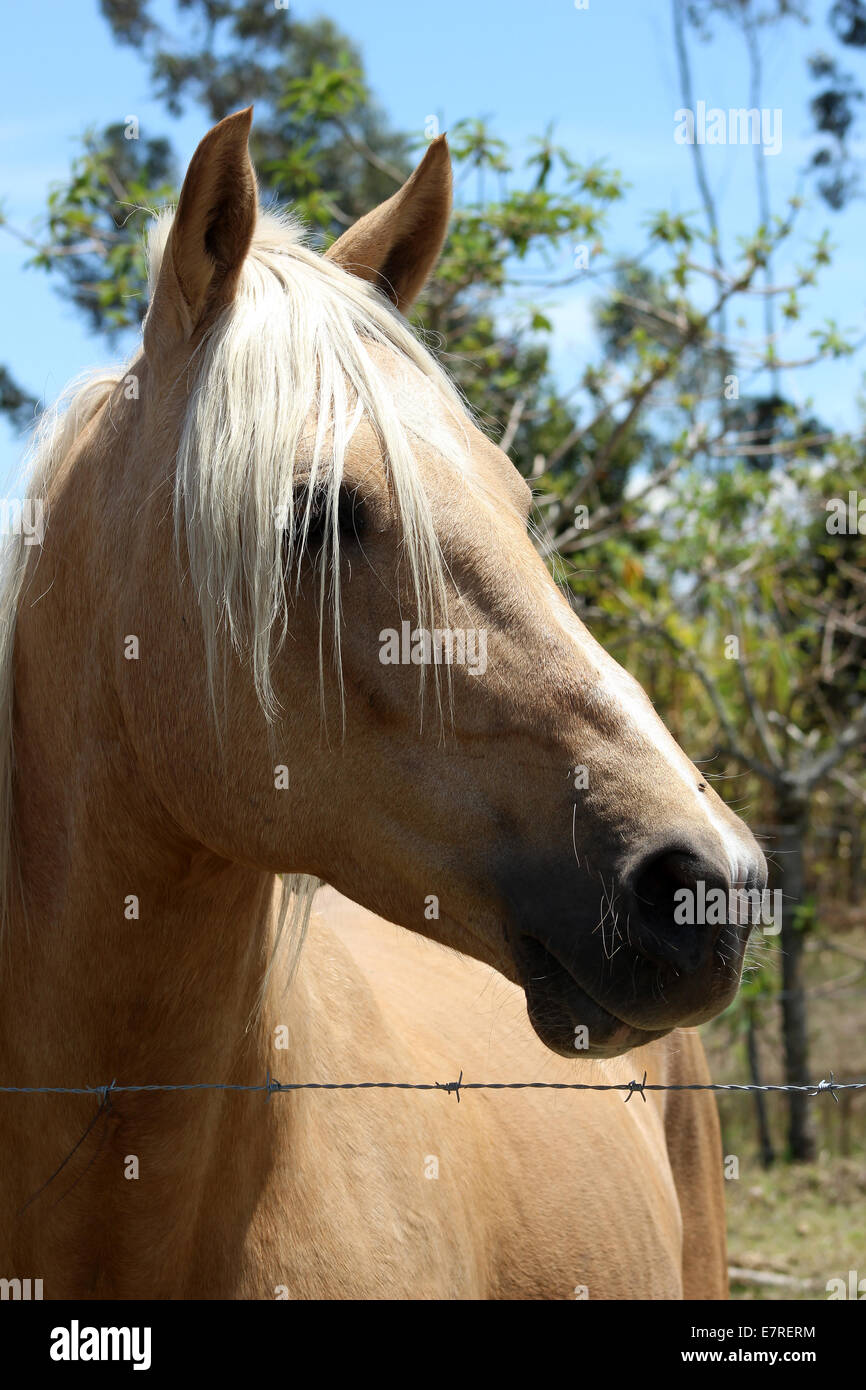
[{"x": 803, "y": 1221}]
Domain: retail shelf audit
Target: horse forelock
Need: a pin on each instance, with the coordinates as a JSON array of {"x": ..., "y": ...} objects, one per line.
[{"x": 278, "y": 389}]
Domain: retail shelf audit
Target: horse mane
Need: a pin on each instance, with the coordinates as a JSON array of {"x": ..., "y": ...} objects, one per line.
[
  {"x": 56, "y": 431},
  {"x": 291, "y": 349}
]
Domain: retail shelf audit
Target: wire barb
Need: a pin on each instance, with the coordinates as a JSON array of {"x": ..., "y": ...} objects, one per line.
[
  {"x": 637, "y": 1088},
  {"x": 452, "y": 1087},
  {"x": 827, "y": 1086}
]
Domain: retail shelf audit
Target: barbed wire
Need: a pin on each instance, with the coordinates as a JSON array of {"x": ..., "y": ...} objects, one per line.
[{"x": 270, "y": 1086}]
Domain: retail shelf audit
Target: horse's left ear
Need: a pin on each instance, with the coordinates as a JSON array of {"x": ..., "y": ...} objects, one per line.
[
  {"x": 397, "y": 245},
  {"x": 210, "y": 235}
]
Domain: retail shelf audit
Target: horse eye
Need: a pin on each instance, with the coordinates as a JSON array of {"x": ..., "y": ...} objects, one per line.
[
  {"x": 351, "y": 517},
  {"x": 313, "y": 515}
]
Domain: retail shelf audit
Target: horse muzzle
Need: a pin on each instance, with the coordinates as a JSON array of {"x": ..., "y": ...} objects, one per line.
[{"x": 661, "y": 947}]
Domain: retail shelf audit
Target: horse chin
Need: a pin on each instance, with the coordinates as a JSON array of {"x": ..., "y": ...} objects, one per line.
[{"x": 569, "y": 1021}]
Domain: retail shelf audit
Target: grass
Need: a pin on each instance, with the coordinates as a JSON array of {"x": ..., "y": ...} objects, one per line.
[{"x": 806, "y": 1222}]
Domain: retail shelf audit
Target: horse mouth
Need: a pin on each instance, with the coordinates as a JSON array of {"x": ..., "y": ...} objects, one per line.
[{"x": 566, "y": 1017}]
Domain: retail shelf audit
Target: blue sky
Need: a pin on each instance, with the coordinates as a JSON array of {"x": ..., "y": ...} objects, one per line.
[{"x": 606, "y": 75}]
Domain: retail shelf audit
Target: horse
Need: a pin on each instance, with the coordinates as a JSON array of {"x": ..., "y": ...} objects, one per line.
[{"x": 201, "y": 728}]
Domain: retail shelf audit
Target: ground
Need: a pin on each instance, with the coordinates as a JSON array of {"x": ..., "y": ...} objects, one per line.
[{"x": 805, "y": 1222}]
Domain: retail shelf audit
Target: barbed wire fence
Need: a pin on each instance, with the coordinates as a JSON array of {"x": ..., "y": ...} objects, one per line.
[{"x": 270, "y": 1086}]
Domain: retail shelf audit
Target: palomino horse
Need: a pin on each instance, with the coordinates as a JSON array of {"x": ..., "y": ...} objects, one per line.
[{"x": 199, "y": 696}]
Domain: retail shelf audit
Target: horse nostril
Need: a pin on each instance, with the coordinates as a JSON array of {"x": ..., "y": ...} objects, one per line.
[
  {"x": 670, "y": 920},
  {"x": 664, "y": 875}
]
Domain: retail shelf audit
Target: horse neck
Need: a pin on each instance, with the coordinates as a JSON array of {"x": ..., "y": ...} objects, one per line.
[
  {"x": 132, "y": 955},
  {"x": 146, "y": 951}
]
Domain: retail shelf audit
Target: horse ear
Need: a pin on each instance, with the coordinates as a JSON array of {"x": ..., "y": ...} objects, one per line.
[
  {"x": 397, "y": 245},
  {"x": 210, "y": 235}
]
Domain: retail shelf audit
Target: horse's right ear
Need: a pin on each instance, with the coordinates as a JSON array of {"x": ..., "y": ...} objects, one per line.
[{"x": 209, "y": 238}]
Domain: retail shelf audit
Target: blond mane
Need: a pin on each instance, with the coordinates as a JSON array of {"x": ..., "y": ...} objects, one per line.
[{"x": 51, "y": 441}]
